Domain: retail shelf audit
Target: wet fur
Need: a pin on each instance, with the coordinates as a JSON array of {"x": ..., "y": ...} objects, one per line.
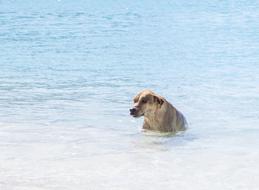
[{"x": 159, "y": 114}]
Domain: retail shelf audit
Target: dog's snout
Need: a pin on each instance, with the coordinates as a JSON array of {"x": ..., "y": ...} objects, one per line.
[{"x": 132, "y": 111}]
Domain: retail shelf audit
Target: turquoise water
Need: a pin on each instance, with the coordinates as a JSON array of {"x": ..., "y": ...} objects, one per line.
[{"x": 69, "y": 71}]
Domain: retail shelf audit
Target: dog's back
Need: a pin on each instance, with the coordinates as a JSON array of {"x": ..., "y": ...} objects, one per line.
[{"x": 175, "y": 120}]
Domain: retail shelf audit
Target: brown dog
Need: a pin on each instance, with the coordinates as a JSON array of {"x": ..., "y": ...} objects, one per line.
[{"x": 159, "y": 115}]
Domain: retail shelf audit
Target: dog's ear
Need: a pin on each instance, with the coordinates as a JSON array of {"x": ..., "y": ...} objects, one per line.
[{"x": 158, "y": 100}]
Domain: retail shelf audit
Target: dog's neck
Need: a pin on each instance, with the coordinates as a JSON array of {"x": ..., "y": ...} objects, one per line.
[
  {"x": 150, "y": 117},
  {"x": 150, "y": 114},
  {"x": 154, "y": 119}
]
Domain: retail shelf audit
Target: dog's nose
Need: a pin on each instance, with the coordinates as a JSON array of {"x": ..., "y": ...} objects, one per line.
[{"x": 132, "y": 111}]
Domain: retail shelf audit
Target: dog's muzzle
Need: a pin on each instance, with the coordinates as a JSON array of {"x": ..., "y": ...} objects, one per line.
[{"x": 133, "y": 111}]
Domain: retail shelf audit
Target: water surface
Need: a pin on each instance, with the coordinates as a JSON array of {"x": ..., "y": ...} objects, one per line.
[{"x": 69, "y": 71}]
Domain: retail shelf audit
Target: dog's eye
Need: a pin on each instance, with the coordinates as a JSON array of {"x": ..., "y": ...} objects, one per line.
[{"x": 144, "y": 101}]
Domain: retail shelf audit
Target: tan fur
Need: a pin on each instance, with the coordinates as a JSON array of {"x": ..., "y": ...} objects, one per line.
[{"x": 159, "y": 114}]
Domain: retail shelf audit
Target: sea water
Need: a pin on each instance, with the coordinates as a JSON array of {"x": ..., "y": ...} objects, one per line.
[{"x": 69, "y": 71}]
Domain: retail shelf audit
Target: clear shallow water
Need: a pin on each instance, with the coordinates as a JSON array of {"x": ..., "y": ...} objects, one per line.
[{"x": 70, "y": 69}]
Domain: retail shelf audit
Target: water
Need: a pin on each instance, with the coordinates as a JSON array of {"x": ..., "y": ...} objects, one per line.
[{"x": 69, "y": 71}]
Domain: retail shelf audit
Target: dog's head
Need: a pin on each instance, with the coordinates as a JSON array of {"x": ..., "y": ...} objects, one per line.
[{"x": 146, "y": 102}]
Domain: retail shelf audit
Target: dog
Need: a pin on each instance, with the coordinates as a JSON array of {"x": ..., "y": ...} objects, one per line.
[{"x": 159, "y": 114}]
